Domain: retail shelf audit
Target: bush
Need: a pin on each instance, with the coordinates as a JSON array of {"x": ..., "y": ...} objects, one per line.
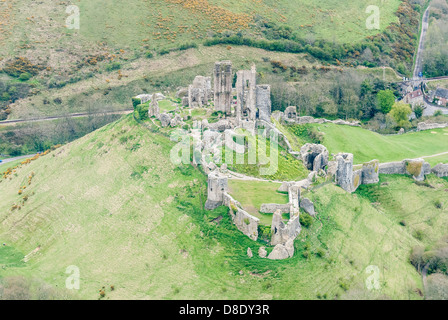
[
  {"x": 113, "y": 66},
  {"x": 142, "y": 110},
  {"x": 438, "y": 204},
  {"x": 149, "y": 55},
  {"x": 306, "y": 220},
  {"x": 25, "y": 76}
]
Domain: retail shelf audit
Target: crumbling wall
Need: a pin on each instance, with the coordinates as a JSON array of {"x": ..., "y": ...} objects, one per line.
[
  {"x": 314, "y": 156},
  {"x": 217, "y": 187},
  {"x": 244, "y": 222},
  {"x": 431, "y": 126},
  {"x": 263, "y": 101},
  {"x": 370, "y": 172},
  {"x": 282, "y": 232},
  {"x": 440, "y": 170},
  {"x": 344, "y": 174},
  {"x": 246, "y": 95},
  {"x": 223, "y": 79},
  {"x": 199, "y": 93}
]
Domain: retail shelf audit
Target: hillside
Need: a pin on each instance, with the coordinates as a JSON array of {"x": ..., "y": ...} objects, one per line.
[{"x": 112, "y": 204}]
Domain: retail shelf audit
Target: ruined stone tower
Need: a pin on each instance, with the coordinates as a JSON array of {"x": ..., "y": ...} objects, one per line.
[
  {"x": 263, "y": 102},
  {"x": 246, "y": 94},
  {"x": 223, "y": 77},
  {"x": 344, "y": 175},
  {"x": 217, "y": 186}
]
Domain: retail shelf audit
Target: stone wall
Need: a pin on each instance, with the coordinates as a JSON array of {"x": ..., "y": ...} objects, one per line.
[
  {"x": 271, "y": 208},
  {"x": 350, "y": 180},
  {"x": 263, "y": 102},
  {"x": 217, "y": 187},
  {"x": 440, "y": 170},
  {"x": 430, "y": 126},
  {"x": 244, "y": 222},
  {"x": 199, "y": 93}
]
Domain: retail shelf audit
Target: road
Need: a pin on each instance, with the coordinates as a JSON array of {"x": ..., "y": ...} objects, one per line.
[
  {"x": 421, "y": 46},
  {"x": 73, "y": 115},
  {"x": 17, "y": 158}
]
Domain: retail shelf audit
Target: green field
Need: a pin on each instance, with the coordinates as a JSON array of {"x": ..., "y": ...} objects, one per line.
[
  {"x": 367, "y": 145},
  {"x": 131, "y": 219},
  {"x": 176, "y": 21}
]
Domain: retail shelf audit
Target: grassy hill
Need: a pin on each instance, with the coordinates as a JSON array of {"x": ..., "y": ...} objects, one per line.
[
  {"x": 367, "y": 145},
  {"x": 112, "y": 204}
]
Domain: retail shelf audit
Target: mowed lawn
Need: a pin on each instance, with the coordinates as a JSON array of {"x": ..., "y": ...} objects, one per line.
[
  {"x": 252, "y": 194},
  {"x": 367, "y": 145}
]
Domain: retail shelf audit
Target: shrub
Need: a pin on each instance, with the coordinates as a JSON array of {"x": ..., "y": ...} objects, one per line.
[
  {"x": 142, "y": 110},
  {"x": 438, "y": 204},
  {"x": 321, "y": 253},
  {"x": 306, "y": 220},
  {"x": 149, "y": 55},
  {"x": 25, "y": 76},
  {"x": 113, "y": 66},
  {"x": 136, "y": 102}
]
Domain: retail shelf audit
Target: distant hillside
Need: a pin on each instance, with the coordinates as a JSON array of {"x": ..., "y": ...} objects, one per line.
[{"x": 113, "y": 205}]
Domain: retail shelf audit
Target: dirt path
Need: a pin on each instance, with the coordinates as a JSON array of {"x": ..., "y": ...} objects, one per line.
[{"x": 435, "y": 155}]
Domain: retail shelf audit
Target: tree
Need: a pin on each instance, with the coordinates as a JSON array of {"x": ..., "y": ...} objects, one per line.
[
  {"x": 386, "y": 99},
  {"x": 418, "y": 111},
  {"x": 400, "y": 112}
]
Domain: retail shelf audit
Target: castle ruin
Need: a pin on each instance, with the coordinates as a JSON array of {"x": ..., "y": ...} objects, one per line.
[{"x": 223, "y": 78}]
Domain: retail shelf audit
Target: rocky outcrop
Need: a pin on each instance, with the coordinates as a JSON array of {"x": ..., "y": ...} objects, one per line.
[
  {"x": 249, "y": 253},
  {"x": 262, "y": 253},
  {"x": 282, "y": 251}
]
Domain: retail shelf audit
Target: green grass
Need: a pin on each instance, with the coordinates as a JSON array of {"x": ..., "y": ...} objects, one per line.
[
  {"x": 279, "y": 165},
  {"x": 367, "y": 145},
  {"x": 252, "y": 194},
  {"x": 166, "y": 106}
]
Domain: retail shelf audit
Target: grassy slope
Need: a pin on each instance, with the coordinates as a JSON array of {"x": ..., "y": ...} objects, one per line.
[
  {"x": 367, "y": 145},
  {"x": 146, "y": 234}
]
